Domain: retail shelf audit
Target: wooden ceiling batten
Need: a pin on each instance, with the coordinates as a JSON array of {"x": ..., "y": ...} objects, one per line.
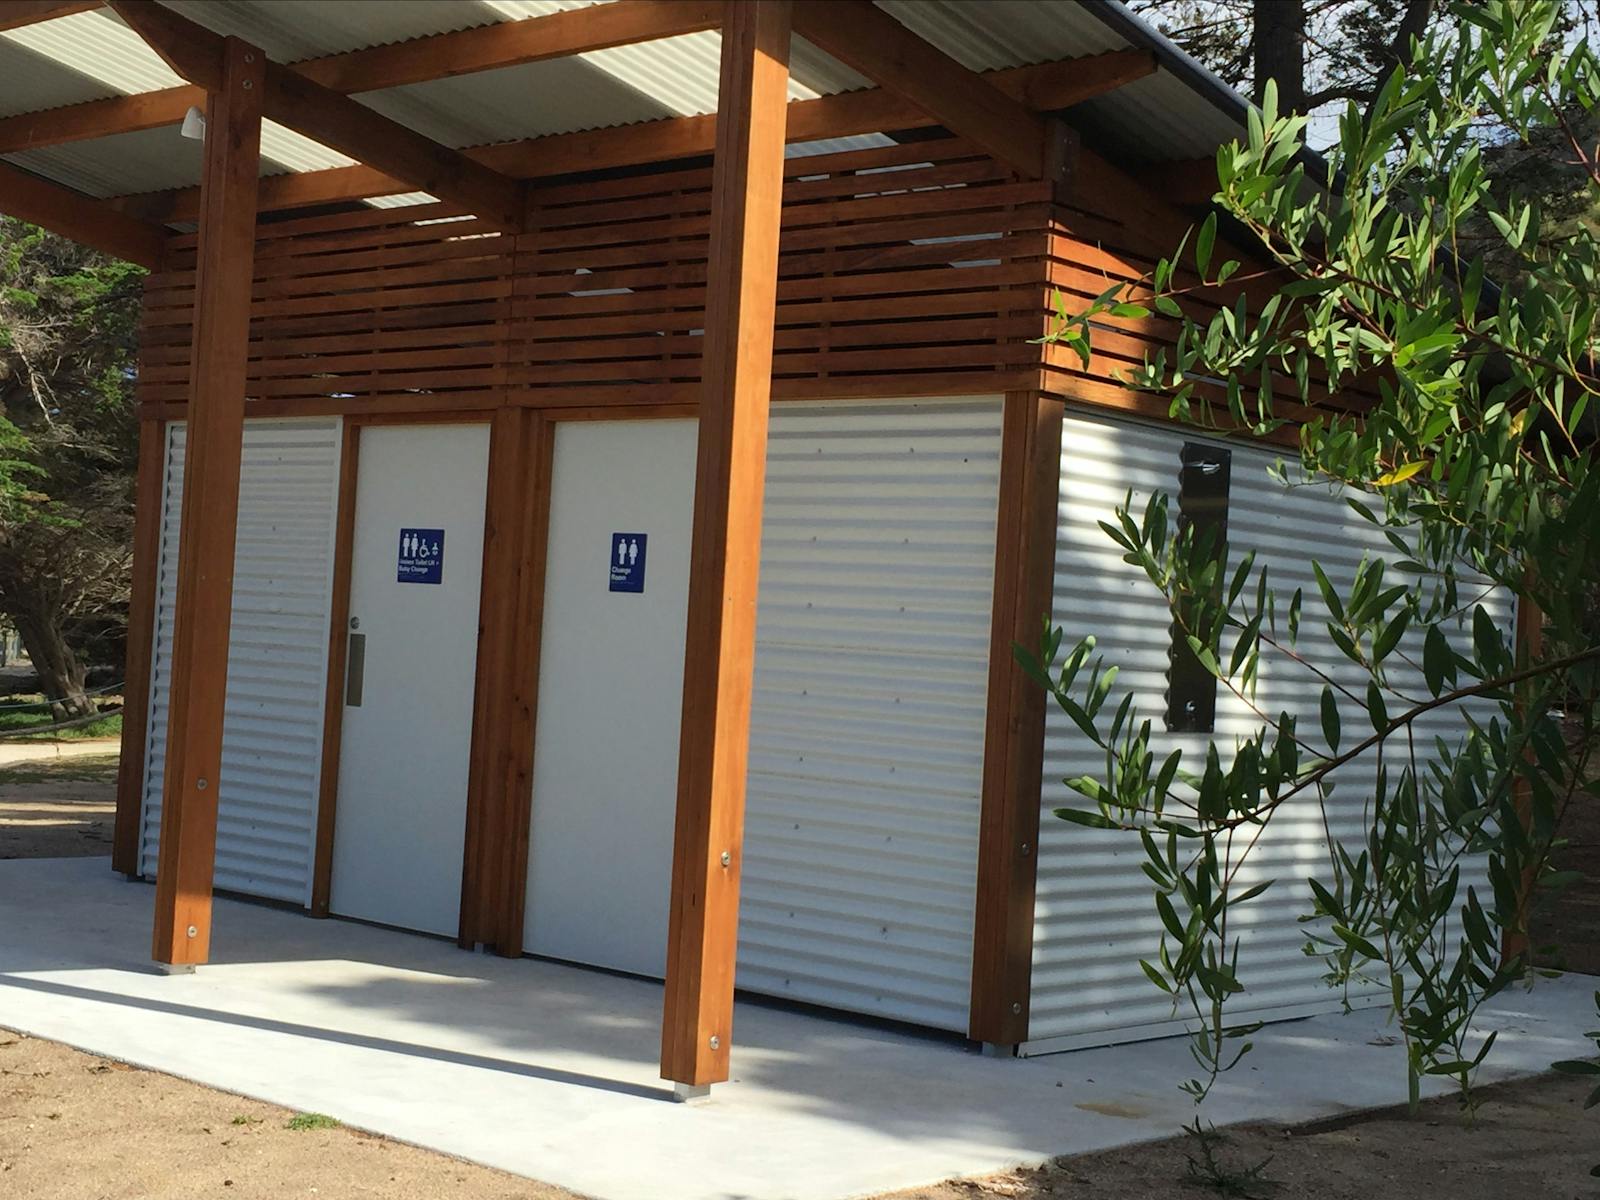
[
  {"x": 335, "y": 120},
  {"x": 1044, "y": 87},
  {"x": 418, "y": 60}
]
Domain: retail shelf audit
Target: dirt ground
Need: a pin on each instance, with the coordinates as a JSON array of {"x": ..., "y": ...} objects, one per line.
[
  {"x": 1530, "y": 1139},
  {"x": 77, "y": 1127},
  {"x": 57, "y": 802}
]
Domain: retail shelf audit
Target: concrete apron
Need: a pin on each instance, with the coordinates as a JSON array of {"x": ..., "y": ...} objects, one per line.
[{"x": 550, "y": 1071}]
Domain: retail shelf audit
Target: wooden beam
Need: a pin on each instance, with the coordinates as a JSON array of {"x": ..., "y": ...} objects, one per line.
[
  {"x": 98, "y": 118},
  {"x": 460, "y": 52},
  {"x": 210, "y": 509},
  {"x": 334, "y": 120},
  {"x": 719, "y": 649},
  {"x": 191, "y": 50},
  {"x": 1013, "y": 757},
  {"x": 511, "y": 43},
  {"x": 80, "y": 218},
  {"x": 1044, "y": 87},
  {"x": 147, "y": 497},
  {"x": 14, "y": 14},
  {"x": 861, "y": 35}
]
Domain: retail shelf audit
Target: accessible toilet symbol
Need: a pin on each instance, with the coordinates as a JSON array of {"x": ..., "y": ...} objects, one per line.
[{"x": 421, "y": 556}]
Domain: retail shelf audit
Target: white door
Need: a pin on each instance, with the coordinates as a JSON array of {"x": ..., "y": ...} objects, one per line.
[
  {"x": 605, "y": 764},
  {"x": 416, "y": 564}
]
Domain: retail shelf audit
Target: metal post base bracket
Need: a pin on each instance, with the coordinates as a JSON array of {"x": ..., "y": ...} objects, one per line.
[
  {"x": 691, "y": 1093},
  {"x": 999, "y": 1049},
  {"x": 174, "y": 968}
]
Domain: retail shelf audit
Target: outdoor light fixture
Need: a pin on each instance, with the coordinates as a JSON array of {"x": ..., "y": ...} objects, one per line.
[{"x": 194, "y": 124}]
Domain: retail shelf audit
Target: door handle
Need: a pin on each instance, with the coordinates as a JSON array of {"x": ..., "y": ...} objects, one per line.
[{"x": 355, "y": 669}]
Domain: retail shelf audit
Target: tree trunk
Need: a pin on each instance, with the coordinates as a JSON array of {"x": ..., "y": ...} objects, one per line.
[
  {"x": 61, "y": 675},
  {"x": 1280, "y": 50}
]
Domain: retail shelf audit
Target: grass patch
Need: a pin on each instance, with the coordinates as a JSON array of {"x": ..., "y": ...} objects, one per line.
[
  {"x": 19, "y": 713},
  {"x": 241, "y": 1119},
  {"x": 306, "y": 1120}
]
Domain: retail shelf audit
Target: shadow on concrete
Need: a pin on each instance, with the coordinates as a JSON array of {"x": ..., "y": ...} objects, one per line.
[{"x": 363, "y": 1041}]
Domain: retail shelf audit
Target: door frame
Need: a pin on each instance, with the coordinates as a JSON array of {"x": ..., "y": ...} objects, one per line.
[{"x": 338, "y": 634}]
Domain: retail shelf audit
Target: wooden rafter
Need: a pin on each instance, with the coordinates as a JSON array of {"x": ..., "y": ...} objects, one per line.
[
  {"x": 98, "y": 118},
  {"x": 863, "y": 36},
  {"x": 1043, "y": 88},
  {"x": 81, "y": 218},
  {"x": 438, "y": 56},
  {"x": 511, "y": 43},
  {"x": 14, "y": 14},
  {"x": 335, "y": 120},
  {"x": 719, "y": 650}
]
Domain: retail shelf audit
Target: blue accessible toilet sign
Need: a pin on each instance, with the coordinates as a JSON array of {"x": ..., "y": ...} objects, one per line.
[
  {"x": 627, "y": 562},
  {"x": 421, "y": 557}
]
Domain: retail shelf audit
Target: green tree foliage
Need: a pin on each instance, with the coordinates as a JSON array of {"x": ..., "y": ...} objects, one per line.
[
  {"x": 68, "y": 445},
  {"x": 1475, "y": 463}
]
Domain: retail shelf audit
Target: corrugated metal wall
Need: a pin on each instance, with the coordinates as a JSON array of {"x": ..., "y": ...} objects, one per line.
[
  {"x": 277, "y": 657},
  {"x": 866, "y": 746},
  {"x": 1094, "y": 917}
]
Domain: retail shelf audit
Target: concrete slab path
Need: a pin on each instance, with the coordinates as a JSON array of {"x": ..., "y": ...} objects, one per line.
[{"x": 550, "y": 1071}]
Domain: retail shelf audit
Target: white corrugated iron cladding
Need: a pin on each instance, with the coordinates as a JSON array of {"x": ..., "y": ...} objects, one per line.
[
  {"x": 866, "y": 738},
  {"x": 1094, "y": 913},
  {"x": 277, "y": 657}
]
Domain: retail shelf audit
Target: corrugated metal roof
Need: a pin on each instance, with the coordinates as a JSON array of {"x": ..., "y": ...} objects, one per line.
[{"x": 90, "y": 55}]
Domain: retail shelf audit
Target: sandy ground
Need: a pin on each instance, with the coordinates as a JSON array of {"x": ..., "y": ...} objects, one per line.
[
  {"x": 77, "y": 1127},
  {"x": 57, "y": 799}
]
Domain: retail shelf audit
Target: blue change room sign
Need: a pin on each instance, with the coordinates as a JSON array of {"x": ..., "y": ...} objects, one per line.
[
  {"x": 421, "y": 557},
  {"x": 627, "y": 562}
]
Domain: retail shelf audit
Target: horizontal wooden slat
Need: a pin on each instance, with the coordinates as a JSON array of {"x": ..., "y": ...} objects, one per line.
[{"x": 918, "y": 268}]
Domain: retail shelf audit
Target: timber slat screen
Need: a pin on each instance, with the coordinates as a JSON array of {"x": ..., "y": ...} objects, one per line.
[
  {"x": 910, "y": 269},
  {"x": 1111, "y": 230},
  {"x": 378, "y": 310},
  {"x": 914, "y": 269}
]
